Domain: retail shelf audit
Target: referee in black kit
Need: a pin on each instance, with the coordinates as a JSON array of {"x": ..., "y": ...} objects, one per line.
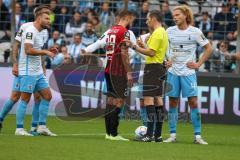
[{"x": 154, "y": 73}]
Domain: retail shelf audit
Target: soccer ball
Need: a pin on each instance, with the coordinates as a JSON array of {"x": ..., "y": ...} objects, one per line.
[{"x": 140, "y": 131}]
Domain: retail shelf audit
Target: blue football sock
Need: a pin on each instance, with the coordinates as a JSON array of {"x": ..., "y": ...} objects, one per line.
[
  {"x": 35, "y": 114},
  {"x": 6, "y": 109},
  {"x": 20, "y": 113},
  {"x": 143, "y": 114},
  {"x": 172, "y": 119},
  {"x": 43, "y": 111},
  {"x": 196, "y": 120}
]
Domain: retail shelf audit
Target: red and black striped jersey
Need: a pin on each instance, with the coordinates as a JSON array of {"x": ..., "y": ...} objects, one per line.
[{"x": 114, "y": 39}]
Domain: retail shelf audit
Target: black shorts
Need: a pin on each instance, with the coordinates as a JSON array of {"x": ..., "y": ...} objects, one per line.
[
  {"x": 116, "y": 86},
  {"x": 153, "y": 80}
]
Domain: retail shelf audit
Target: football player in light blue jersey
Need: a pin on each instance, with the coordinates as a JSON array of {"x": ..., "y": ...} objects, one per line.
[
  {"x": 32, "y": 78},
  {"x": 183, "y": 40},
  {"x": 15, "y": 95}
]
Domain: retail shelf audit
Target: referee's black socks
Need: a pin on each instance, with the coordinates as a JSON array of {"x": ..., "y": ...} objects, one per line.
[
  {"x": 159, "y": 110},
  {"x": 151, "y": 116}
]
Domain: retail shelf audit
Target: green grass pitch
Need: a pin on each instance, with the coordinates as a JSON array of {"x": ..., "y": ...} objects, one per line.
[{"x": 80, "y": 140}]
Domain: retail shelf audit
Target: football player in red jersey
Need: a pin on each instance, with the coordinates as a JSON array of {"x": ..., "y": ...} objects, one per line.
[{"x": 117, "y": 73}]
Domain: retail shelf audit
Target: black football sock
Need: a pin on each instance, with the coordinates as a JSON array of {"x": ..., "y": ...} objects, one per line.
[
  {"x": 107, "y": 117},
  {"x": 115, "y": 121},
  {"x": 159, "y": 121},
  {"x": 151, "y": 116}
]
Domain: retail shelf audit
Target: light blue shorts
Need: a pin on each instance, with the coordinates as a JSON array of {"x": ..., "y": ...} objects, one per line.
[
  {"x": 16, "y": 84},
  {"x": 31, "y": 84},
  {"x": 185, "y": 84}
]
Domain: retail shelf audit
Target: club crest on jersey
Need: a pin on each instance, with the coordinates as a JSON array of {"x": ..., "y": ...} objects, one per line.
[
  {"x": 127, "y": 35},
  {"x": 30, "y": 87},
  {"x": 29, "y": 35},
  {"x": 19, "y": 33}
]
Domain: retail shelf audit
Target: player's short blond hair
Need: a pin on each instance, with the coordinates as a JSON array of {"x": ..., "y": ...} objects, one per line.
[{"x": 187, "y": 12}]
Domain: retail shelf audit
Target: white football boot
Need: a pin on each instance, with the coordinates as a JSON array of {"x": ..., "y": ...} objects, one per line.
[
  {"x": 171, "y": 139},
  {"x": 43, "y": 130},
  {"x": 22, "y": 132}
]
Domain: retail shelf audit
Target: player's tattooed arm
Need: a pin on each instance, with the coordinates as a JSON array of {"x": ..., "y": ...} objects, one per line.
[
  {"x": 29, "y": 50},
  {"x": 16, "y": 45},
  {"x": 126, "y": 64}
]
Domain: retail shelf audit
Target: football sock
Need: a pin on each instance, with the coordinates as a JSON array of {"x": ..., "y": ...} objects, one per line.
[
  {"x": 20, "y": 113},
  {"x": 172, "y": 119},
  {"x": 159, "y": 121},
  {"x": 115, "y": 121},
  {"x": 151, "y": 116},
  {"x": 143, "y": 114},
  {"x": 196, "y": 120},
  {"x": 6, "y": 108},
  {"x": 35, "y": 115},
  {"x": 43, "y": 111},
  {"x": 108, "y": 110}
]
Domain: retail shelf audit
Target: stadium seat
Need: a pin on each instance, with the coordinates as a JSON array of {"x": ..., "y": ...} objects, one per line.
[
  {"x": 195, "y": 6},
  {"x": 172, "y": 4}
]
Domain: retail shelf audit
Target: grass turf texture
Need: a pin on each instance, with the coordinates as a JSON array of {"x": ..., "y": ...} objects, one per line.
[{"x": 85, "y": 141}]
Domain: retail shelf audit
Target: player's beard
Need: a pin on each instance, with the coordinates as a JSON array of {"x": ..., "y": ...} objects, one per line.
[{"x": 45, "y": 27}]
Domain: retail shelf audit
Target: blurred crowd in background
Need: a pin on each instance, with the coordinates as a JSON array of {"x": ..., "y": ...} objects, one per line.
[{"x": 79, "y": 23}]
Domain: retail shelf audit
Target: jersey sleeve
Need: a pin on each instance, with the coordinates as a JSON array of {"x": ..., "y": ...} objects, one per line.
[
  {"x": 100, "y": 43},
  {"x": 29, "y": 36},
  {"x": 200, "y": 38},
  {"x": 18, "y": 36},
  {"x": 153, "y": 42},
  {"x": 133, "y": 38}
]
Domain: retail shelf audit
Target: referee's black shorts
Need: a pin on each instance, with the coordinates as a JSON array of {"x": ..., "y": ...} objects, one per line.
[
  {"x": 116, "y": 86},
  {"x": 153, "y": 80}
]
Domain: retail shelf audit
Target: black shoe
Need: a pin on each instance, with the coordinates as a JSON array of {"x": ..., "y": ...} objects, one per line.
[
  {"x": 159, "y": 139},
  {"x": 145, "y": 138}
]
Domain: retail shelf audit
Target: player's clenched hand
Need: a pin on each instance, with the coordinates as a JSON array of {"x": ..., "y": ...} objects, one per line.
[
  {"x": 15, "y": 69},
  {"x": 168, "y": 64},
  {"x": 193, "y": 65},
  {"x": 49, "y": 53},
  {"x": 140, "y": 43}
]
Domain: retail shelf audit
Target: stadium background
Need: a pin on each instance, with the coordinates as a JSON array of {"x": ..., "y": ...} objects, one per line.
[
  {"x": 77, "y": 81},
  {"x": 77, "y": 88}
]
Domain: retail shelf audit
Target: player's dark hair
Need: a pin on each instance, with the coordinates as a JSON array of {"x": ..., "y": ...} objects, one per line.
[
  {"x": 41, "y": 9},
  {"x": 155, "y": 14},
  {"x": 124, "y": 13}
]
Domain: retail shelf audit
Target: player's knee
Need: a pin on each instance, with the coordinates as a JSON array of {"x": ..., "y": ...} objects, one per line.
[
  {"x": 37, "y": 98},
  {"x": 15, "y": 96},
  {"x": 173, "y": 103},
  {"x": 192, "y": 104},
  {"x": 48, "y": 97},
  {"x": 25, "y": 99}
]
